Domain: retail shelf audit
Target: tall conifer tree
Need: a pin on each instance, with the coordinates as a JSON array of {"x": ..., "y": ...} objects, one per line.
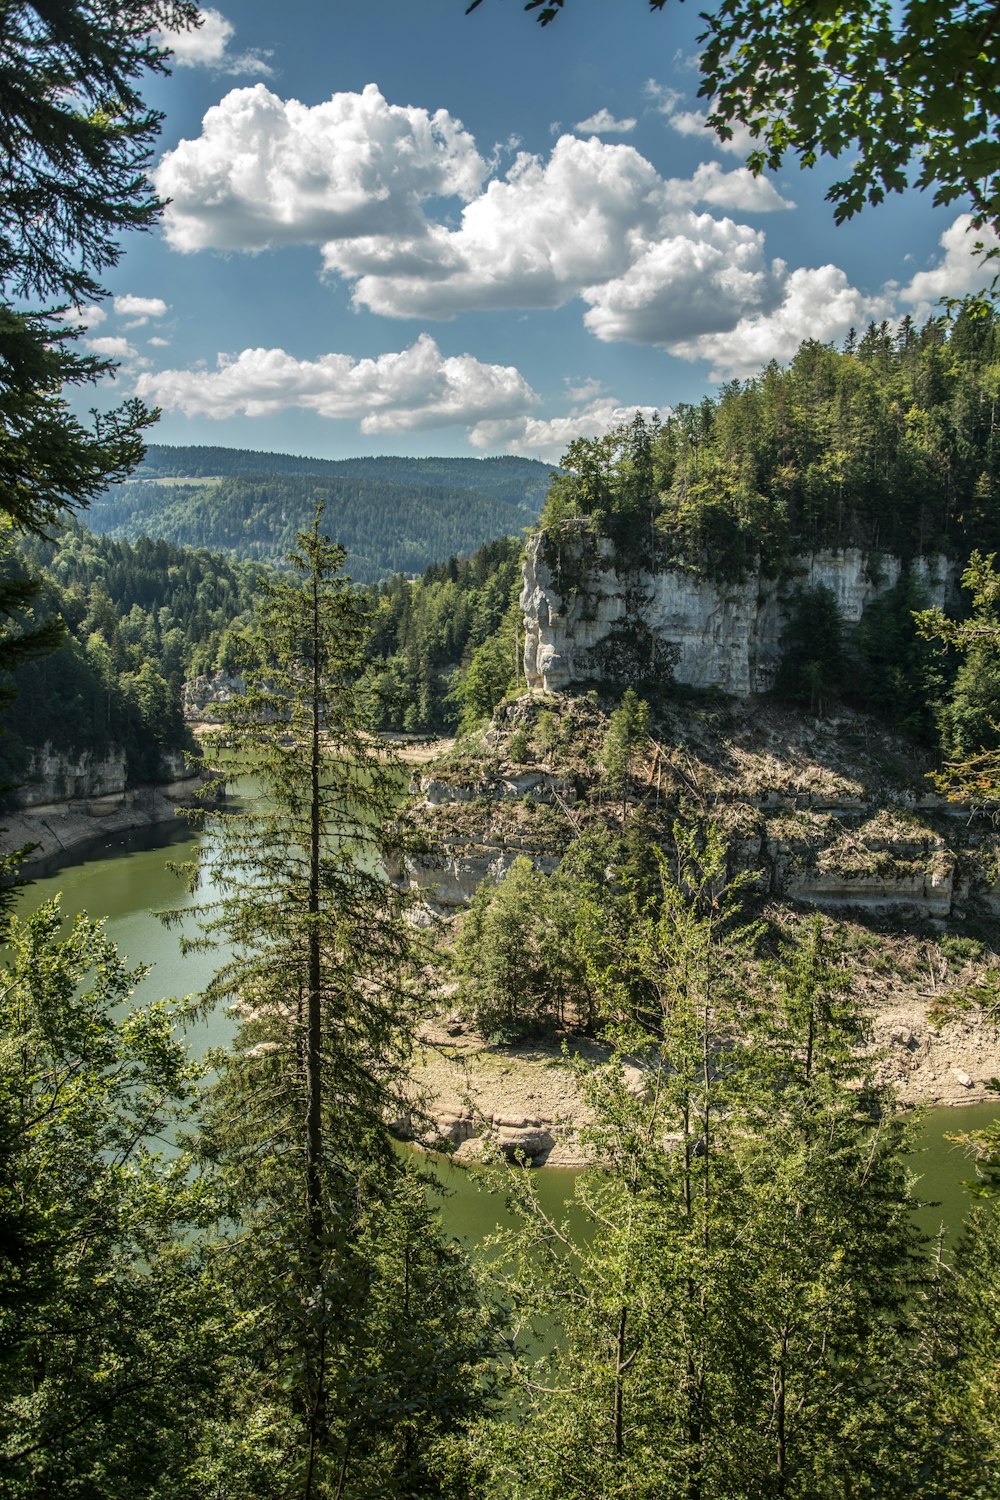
[{"x": 344, "y": 1281}]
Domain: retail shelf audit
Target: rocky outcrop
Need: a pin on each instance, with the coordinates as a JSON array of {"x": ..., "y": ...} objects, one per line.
[
  {"x": 201, "y": 697},
  {"x": 53, "y": 777},
  {"x": 587, "y": 620},
  {"x": 476, "y": 827},
  {"x": 67, "y": 803},
  {"x": 833, "y": 813}
]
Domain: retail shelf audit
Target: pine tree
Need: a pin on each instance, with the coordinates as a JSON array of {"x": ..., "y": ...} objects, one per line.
[
  {"x": 626, "y": 740},
  {"x": 333, "y": 1235},
  {"x": 75, "y": 138}
]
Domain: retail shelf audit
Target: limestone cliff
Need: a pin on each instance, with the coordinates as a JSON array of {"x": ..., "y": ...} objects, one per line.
[
  {"x": 66, "y": 802},
  {"x": 831, "y": 814},
  {"x": 587, "y": 618},
  {"x": 835, "y": 813}
]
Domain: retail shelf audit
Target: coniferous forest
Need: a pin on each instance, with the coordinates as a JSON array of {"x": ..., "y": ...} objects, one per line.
[{"x": 228, "y": 1278}]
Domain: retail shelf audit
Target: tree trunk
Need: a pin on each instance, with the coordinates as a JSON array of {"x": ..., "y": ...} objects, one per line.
[{"x": 315, "y": 1375}]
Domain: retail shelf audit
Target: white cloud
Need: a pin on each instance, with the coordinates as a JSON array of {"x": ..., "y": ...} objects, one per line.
[
  {"x": 693, "y": 122},
  {"x": 738, "y": 189},
  {"x": 112, "y": 347},
  {"x": 207, "y": 46},
  {"x": 700, "y": 278},
  {"x": 140, "y": 309},
  {"x": 535, "y": 437},
  {"x": 604, "y": 123},
  {"x": 960, "y": 271},
  {"x": 418, "y": 387},
  {"x": 816, "y": 303},
  {"x": 590, "y": 219},
  {"x": 89, "y": 315},
  {"x": 267, "y": 171},
  {"x": 532, "y": 239}
]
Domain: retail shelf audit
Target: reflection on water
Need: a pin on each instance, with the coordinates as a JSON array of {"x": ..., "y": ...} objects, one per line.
[
  {"x": 128, "y": 880},
  {"x": 941, "y": 1168}
]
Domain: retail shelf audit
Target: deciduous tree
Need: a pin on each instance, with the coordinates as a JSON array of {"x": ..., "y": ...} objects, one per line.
[
  {"x": 908, "y": 91},
  {"x": 109, "y": 1329}
]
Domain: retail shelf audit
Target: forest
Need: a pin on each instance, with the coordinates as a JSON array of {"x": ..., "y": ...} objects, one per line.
[
  {"x": 889, "y": 444},
  {"x": 391, "y": 515},
  {"x": 227, "y": 1278},
  {"x": 745, "y": 1303},
  {"x": 517, "y": 481},
  {"x": 140, "y": 619}
]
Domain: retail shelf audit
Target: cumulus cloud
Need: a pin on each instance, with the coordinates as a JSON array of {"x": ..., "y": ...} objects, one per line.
[
  {"x": 604, "y": 123},
  {"x": 207, "y": 46},
  {"x": 140, "y": 309},
  {"x": 654, "y": 259},
  {"x": 693, "y": 122},
  {"x": 697, "y": 279},
  {"x": 158, "y": 343},
  {"x": 738, "y": 189},
  {"x": 960, "y": 270},
  {"x": 267, "y": 171},
  {"x": 535, "y": 437},
  {"x": 593, "y": 220},
  {"x": 112, "y": 347},
  {"x": 88, "y": 315},
  {"x": 816, "y": 303},
  {"x": 532, "y": 239},
  {"x": 416, "y": 388}
]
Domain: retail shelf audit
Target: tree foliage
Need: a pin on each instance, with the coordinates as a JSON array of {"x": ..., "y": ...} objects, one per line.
[
  {"x": 737, "y": 1303},
  {"x": 889, "y": 445},
  {"x": 444, "y": 645},
  {"x": 108, "y": 1321},
  {"x": 76, "y": 139},
  {"x": 386, "y": 527},
  {"x": 335, "y": 1256},
  {"x": 625, "y": 744},
  {"x": 969, "y": 717},
  {"x": 910, "y": 91}
]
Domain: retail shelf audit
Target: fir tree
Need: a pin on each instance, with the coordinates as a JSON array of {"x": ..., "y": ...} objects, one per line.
[{"x": 337, "y": 1261}]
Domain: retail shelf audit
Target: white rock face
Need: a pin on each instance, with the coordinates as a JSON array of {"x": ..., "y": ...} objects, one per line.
[
  {"x": 707, "y": 634},
  {"x": 53, "y": 777},
  {"x": 202, "y": 696}
]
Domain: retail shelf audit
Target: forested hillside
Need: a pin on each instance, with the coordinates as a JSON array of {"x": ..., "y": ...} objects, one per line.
[
  {"x": 139, "y": 620},
  {"x": 518, "y": 481},
  {"x": 444, "y": 645},
  {"x": 891, "y": 444},
  {"x": 392, "y": 515},
  {"x": 172, "y": 613}
]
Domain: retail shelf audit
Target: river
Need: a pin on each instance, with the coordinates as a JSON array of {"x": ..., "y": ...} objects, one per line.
[{"x": 130, "y": 878}]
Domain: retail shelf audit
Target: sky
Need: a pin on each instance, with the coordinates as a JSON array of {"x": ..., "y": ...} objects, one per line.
[{"x": 396, "y": 228}]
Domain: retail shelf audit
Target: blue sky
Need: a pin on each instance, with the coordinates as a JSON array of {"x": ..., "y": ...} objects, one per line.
[{"x": 399, "y": 229}]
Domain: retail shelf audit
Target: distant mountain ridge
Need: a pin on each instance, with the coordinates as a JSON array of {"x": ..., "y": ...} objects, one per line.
[{"x": 392, "y": 514}]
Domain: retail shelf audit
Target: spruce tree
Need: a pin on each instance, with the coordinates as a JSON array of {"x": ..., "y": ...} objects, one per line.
[{"x": 350, "y": 1371}]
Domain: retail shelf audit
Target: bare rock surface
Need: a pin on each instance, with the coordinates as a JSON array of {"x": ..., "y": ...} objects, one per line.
[
  {"x": 526, "y": 1099},
  {"x": 523, "y": 1099}
]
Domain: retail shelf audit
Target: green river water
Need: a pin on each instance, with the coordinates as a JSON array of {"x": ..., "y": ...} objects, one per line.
[{"x": 127, "y": 879}]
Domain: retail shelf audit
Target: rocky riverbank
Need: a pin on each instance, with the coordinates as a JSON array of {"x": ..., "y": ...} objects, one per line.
[
  {"x": 832, "y": 815},
  {"x": 67, "y": 806},
  {"x": 526, "y": 1099}
]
